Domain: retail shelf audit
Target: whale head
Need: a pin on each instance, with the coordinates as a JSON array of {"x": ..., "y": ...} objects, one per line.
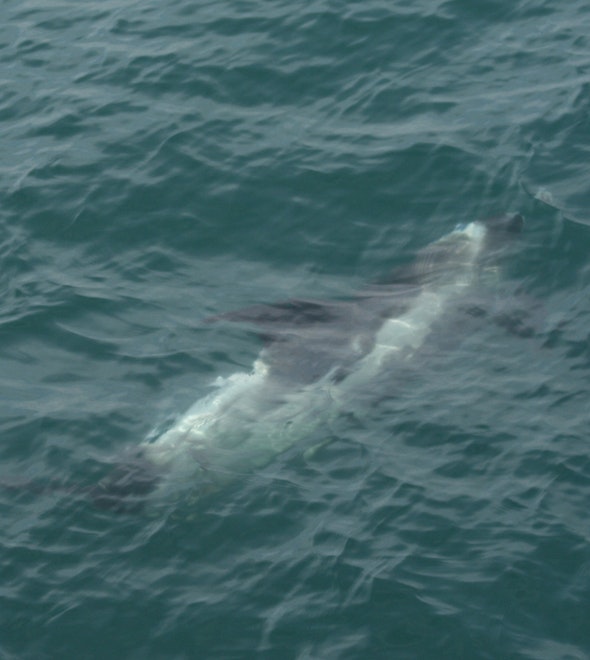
[
  {"x": 500, "y": 232},
  {"x": 509, "y": 224}
]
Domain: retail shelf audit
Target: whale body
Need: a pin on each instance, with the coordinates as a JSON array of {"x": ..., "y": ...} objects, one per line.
[{"x": 317, "y": 358}]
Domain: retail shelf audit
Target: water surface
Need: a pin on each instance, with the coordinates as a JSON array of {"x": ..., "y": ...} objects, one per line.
[{"x": 162, "y": 164}]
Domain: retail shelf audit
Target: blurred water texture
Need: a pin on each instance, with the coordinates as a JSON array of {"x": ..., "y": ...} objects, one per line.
[{"x": 161, "y": 164}]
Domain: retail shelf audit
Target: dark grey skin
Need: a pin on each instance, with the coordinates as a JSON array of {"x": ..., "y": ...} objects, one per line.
[
  {"x": 125, "y": 488},
  {"x": 304, "y": 341}
]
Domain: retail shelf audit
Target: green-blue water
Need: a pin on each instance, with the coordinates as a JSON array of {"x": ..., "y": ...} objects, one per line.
[{"x": 165, "y": 162}]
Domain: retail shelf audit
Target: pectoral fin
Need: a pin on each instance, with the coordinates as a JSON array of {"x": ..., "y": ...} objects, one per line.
[{"x": 289, "y": 313}]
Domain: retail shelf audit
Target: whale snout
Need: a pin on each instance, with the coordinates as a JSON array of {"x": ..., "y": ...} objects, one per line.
[
  {"x": 510, "y": 223},
  {"x": 514, "y": 223}
]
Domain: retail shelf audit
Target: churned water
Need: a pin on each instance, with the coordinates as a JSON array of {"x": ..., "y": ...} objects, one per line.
[{"x": 163, "y": 163}]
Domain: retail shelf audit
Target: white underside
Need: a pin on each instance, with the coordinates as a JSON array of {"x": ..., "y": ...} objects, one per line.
[{"x": 250, "y": 417}]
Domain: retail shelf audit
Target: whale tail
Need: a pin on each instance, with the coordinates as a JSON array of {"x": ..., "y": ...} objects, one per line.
[
  {"x": 126, "y": 487},
  {"x": 124, "y": 490}
]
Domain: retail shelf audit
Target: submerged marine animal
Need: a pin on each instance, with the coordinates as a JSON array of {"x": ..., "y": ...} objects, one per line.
[{"x": 317, "y": 357}]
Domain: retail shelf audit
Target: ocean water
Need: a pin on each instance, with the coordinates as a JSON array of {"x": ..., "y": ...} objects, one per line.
[{"x": 163, "y": 163}]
